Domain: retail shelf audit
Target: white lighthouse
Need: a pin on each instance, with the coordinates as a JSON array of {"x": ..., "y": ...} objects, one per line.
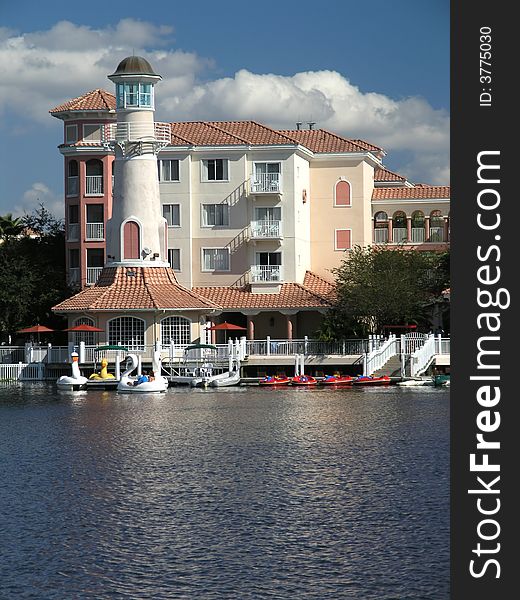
[{"x": 137, "y": 231}]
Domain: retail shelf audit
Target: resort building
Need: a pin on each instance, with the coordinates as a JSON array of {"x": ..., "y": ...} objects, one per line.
[{"x": 190, "y": 223}]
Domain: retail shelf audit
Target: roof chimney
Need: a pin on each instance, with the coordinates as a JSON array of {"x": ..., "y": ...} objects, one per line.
[
  {"x": 299, "y": 125},
  {"x": 311, "y": 124}
]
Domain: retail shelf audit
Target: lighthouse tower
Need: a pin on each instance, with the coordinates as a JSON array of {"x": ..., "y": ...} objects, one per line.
[{"x": 137, "y": 231}]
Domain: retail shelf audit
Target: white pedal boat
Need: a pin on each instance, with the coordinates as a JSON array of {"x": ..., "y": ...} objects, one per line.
[
  {"x": 128, "y": 383},
  {"x": 76, "y": 381}
]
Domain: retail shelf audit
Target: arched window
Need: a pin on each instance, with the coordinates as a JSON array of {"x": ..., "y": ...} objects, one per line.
[
  {"x": 84, "y": 336},
  {"x": 400, "y": 233},
  {"x": 418, "y": 230},
  {"x": 342, "y": 193},
  {"x": 127, "y": 331},
  {"x": 131, "y": 246},
  {"x": 94, "y": 177},
  {"x": 380, "y": 227},
  {"x": 72, "y": 178},
  {"x": 175, "y": 330}
]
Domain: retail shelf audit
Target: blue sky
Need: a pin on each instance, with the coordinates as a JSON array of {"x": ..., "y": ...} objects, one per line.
[{"x": 378, "y": 71}]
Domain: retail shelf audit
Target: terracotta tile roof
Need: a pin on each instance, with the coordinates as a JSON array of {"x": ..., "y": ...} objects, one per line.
[
  {"x": 227, "y": 133},
  {"x": 368, "y": 146},
  {"x": 291, "y": 295},
  {"x": 417, "y": 192},
  {"x": 232, "y": 133},
  {"x": 386, "y": 175},
  {"x": 318, "y": 285},
  {"x": 98, "y": 100},
  {"x": 150, "y": 288},
  {"x": 323, "y": 141}
]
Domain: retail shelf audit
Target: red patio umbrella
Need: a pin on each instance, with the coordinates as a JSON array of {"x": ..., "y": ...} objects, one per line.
[
  {"x": 36, "y": 329},
  {"x": 83, "y": 327},
  {"x": 225, "y": 326}
]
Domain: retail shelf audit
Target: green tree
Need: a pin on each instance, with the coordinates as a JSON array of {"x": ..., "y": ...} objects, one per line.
[
  {"x": 32, "y": 272},
  {"x": 10, "y": 227},
  {"x": 377, "y": 286}
]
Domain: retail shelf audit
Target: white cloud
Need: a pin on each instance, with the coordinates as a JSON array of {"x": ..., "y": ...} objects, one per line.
[
  {"x": 43, "y": 69},
  {"x": 329, "y": 99},
  {"x": 38, "y": 194}
]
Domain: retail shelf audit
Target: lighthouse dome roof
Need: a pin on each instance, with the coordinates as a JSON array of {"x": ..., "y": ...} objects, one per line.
[{"x": 134, "y": 65}]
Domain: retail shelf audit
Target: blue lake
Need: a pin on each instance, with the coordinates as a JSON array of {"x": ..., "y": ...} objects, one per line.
[{"x": 230, "y": 493}]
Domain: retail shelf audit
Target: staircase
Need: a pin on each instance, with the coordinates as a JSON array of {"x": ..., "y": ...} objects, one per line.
[{"x": 392, "y": 367}]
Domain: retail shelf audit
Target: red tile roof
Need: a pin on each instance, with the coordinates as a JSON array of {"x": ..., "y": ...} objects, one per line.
[
  {"x": 322, "y": 141},
  {"x": 97, "y": 100},
  {"x": 417, "y": 192},
  {"x": 386, "y": 175},
  {"x": 318, "y": 285},
  {"x": 291, "y": 295},
  {"x": 229, "y": 133},
  {"x": 150, "y": 288}
]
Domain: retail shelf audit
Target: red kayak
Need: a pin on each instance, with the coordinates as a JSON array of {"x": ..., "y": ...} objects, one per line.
[
  {"x": 337, "y": 380},
  {"x": 271, "y": 381},
  {"x": 364, "y": 380},
  {"x": 303, "y": 380}
]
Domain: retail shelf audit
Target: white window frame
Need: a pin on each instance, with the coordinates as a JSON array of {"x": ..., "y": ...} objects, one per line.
[
  {"x": 202, "y": 262},
  {"x": 225, "y": 213},
  {"x": 259, "y": 208},
  {"x": 350, "y": 197},
  {"x": 167, "y": 220},
  {"x": 75, "y": 136},
  {"x": 135, "y": 346},
  {"x": 178, "y": 328},
  {"x": 96, "y": 127},
  {"x": 179, "y": 270},
  {"x": 336, "y": 239},
  {"x": 160, "y": 170},
  {"x": 204, "y": 177}
]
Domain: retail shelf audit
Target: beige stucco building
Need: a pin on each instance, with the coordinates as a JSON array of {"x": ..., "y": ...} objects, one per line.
[{"x": 252, "y": 219}]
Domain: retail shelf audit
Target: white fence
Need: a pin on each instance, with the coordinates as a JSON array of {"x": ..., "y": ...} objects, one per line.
[{"x": 22, "y": 372}]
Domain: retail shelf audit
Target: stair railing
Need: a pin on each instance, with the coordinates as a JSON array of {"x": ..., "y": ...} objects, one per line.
[
  {"x": 376, "y": 358},
  {"x": 422, "y": 357}
]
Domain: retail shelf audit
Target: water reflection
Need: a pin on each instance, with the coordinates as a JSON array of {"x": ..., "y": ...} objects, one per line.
[{"x": 226, "y": 493}]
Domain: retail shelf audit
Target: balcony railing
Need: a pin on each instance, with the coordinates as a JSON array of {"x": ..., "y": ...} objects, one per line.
[
  {"x": 121, "y": 132},
  {"x": 399, "y": 234},
  {"x": 266, "y": 229},
  {"x": 93, "y": 274},
  {"x": 436, "y": 234},
  {"x": 418, "y": 235},
  {"x": 73, "y": 232},
  {"x": 95, "y": 231},
  {"x": 266, "y": 183},
  {"x": 380, "y": 235},
  {"x": 94, "y": 185},
  {"x": 267, "y": 273}
]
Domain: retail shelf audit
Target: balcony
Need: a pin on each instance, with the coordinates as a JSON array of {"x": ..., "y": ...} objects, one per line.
[
  {"x": 266, "y": 183},
  {"x": 73, "y": 232},
  {"x": 94, "y": 185},
  {"x": 266, "y": 230},
  {"x": 93, "y": 274},
  {"x": 122, "y": 132},
  {"x": 437, "y": 235},
  {"x": 95, "y": 231},
  {"x": 266, "y": 273}
]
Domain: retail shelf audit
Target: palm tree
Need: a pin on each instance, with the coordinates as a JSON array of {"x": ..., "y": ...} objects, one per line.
[{"x": 10, "y": 227}]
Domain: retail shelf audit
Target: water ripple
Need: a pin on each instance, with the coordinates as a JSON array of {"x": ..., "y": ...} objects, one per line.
[{"x": 232, "y": 493}]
